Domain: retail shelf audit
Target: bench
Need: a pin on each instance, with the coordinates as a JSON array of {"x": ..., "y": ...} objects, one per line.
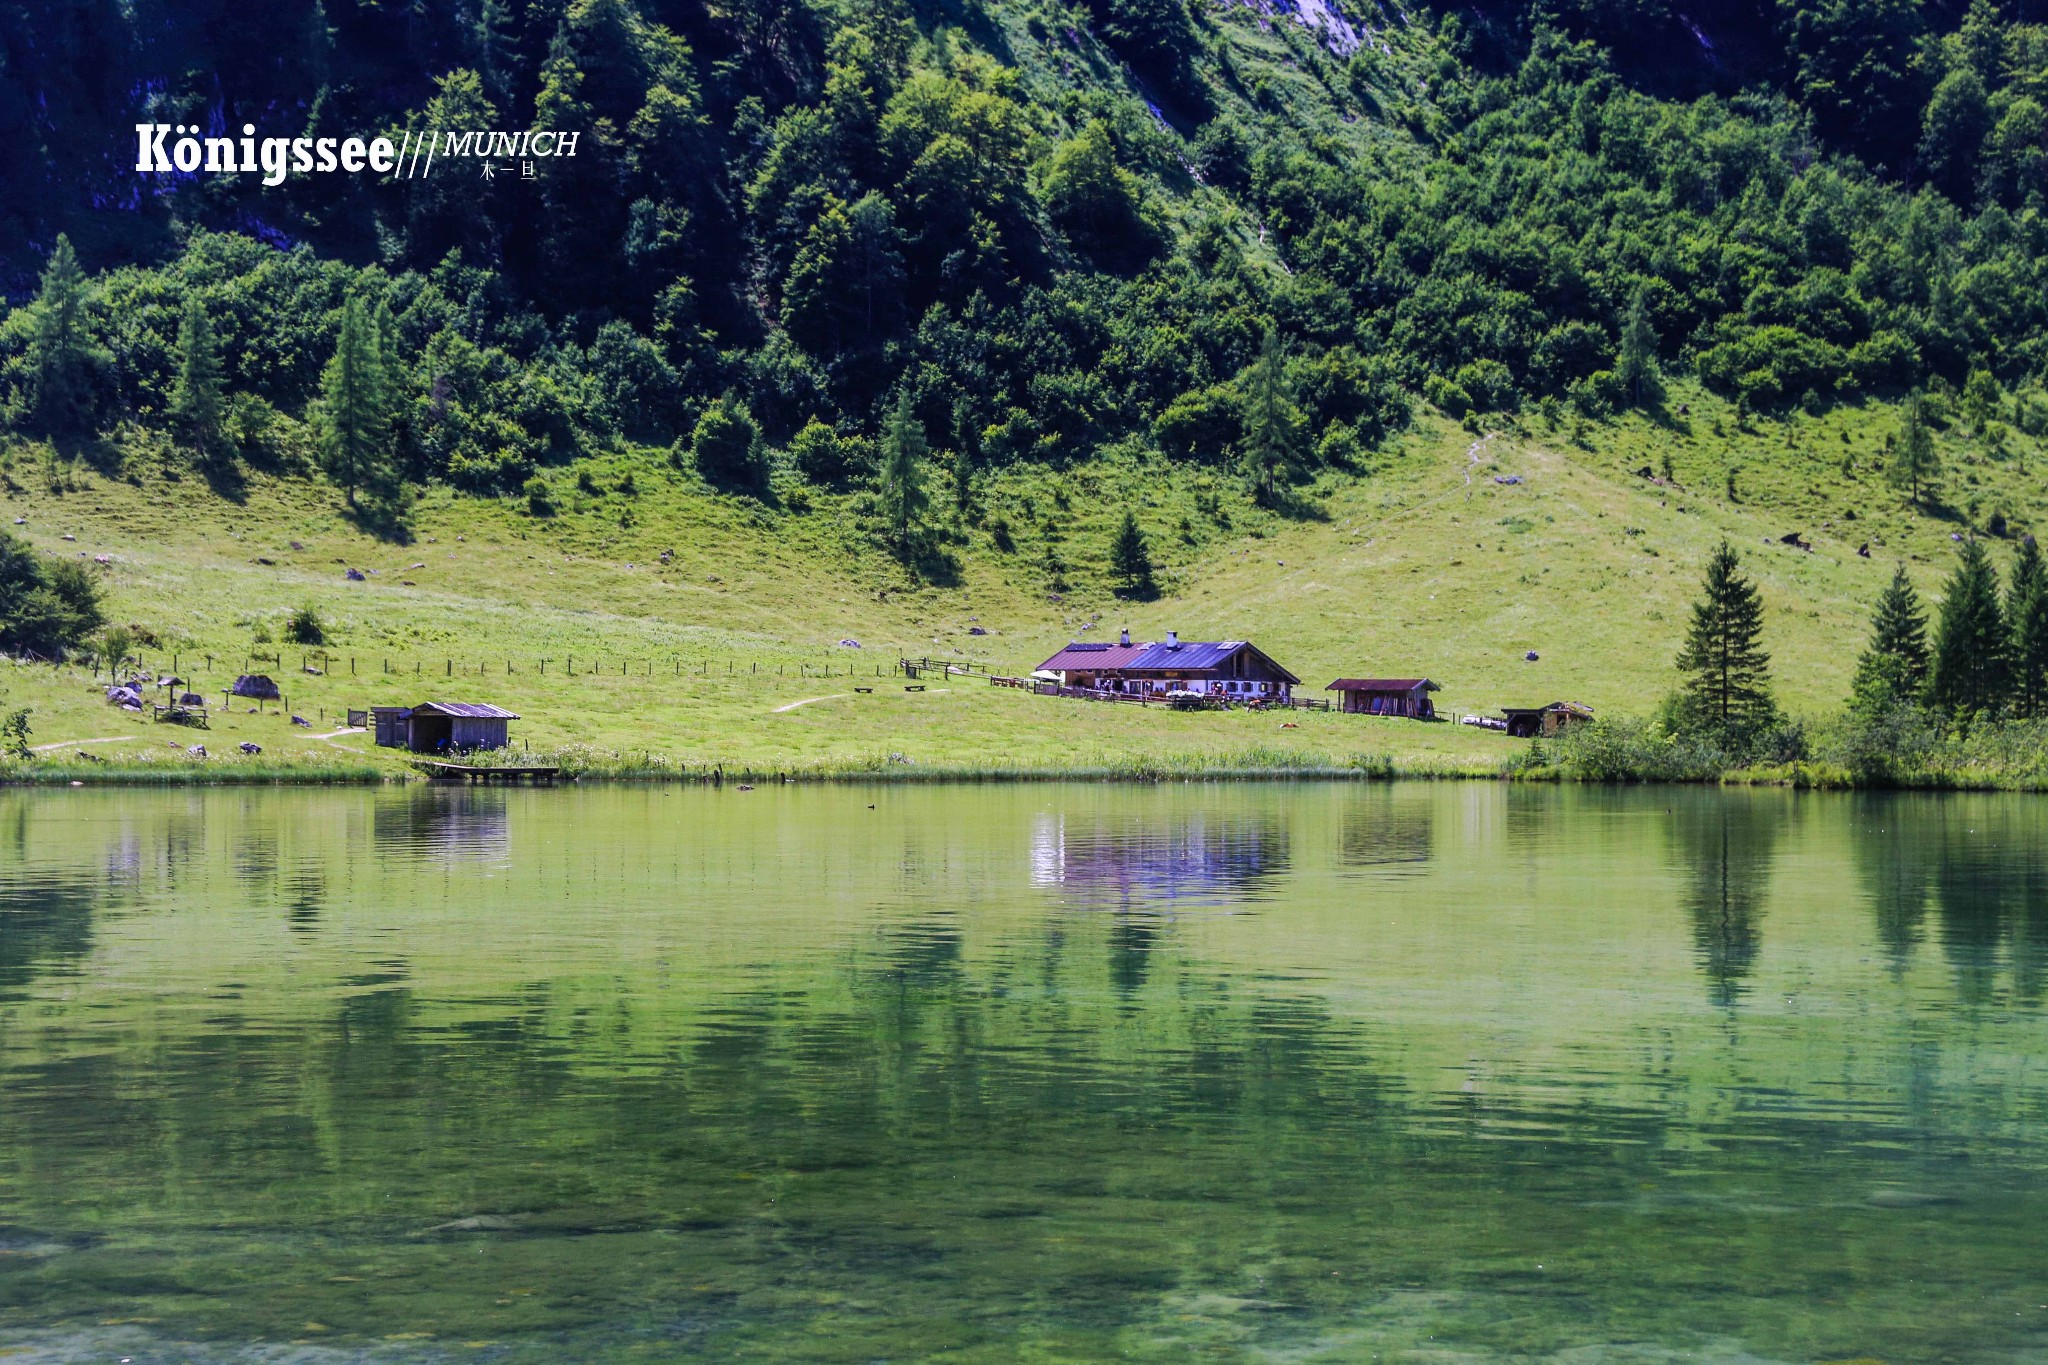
[
  {"x": 913, "y": 687},
  {"x": 863, "y": 689}
]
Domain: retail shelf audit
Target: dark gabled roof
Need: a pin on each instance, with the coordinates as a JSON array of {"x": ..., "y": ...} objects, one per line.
[
  {"x": 1087, "y": 656},
  {"x": 1575, "y": 708},
  {"x": 1190, "y": 655},
  {"x": 1382, "y": 685},
  {"x": 468, "y": 710}
]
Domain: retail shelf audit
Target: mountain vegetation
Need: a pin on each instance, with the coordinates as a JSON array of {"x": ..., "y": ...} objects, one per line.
[{"x": 1243, "y": 236}]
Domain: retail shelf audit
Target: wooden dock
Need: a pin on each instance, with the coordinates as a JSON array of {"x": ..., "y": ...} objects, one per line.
[{"x": 473, "y": 772}]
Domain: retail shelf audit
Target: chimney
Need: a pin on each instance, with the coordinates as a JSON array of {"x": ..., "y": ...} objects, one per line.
[
  {"x": 1125, "y": 638},
  {"x": 1173, "y": 639}
]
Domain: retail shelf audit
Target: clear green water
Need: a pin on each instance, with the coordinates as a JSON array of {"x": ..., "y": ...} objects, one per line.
[{"x": 1302, "y": 1073}]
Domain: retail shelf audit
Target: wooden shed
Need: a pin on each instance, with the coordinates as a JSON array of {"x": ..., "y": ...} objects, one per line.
[
  {"x": 1528, "y": 722},
  {"x": 443, "y": 727},
  {"x": 1407, "y": 697}
]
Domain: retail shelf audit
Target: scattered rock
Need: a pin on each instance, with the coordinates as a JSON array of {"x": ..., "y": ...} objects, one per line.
[
  {"x": 266, "y": 563},
  {"x": 197, "y": 751},
  {"x": 302, "y": 721},
  {"x": 297, "y": 546},
  {"x": 1507, "y": 478},
  {"x": 1646, "y": 473},
  {"x": 248, "y": 747},
  {"x": 67, "y": 537},
  {"x": 849, "y": 644},
  {"x": 1864, "y": 549},
  {"x": 976, "y": 630},
  {"x": 746, "y": 786},
  {"x": 1530, "y": 656},
  {"x": 355, "y": 575}
]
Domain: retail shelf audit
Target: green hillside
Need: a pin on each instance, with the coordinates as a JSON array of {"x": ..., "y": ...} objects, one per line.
[
  {"x": 874, "y": 322},
  {"x": 729, "y": 652}
]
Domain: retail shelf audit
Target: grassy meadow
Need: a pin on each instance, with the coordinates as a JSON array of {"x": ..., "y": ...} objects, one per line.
[{"x": 728, "y": 651}]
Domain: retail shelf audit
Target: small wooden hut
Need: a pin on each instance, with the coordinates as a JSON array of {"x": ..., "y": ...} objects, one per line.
[
  {"x": 1407, "y": 697},
  {"x": 443, "y": 727},
  {"x": 1528, "y": 722}
]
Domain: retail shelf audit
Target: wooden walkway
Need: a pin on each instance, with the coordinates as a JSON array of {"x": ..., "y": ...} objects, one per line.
[{"x": 472, "y": 772}]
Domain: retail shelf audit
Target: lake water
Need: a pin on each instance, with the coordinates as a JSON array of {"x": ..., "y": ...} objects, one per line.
[{"x": 1295, "y": 1073}]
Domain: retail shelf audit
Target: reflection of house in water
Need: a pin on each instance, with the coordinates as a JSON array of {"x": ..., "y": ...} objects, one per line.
[
  {"x": 444, "y": 824},
  {"x": 1389, "y": 832},
  {"x": 1192, "y": 858}
]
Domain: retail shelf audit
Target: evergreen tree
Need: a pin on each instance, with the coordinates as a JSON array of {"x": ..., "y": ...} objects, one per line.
[
  {"x": 903, "y": 498},
  {"x": 355, "y": 411},
  {"x": 1637, "y": 365},
  {"x": 1728, "y": 681},
  {"x": 1272, "y": 424},
  {"x": 1130, "y": 558},
  {"x": 1914, "y": 463},
  {"x": 963, "y": 458},
  {"x": 63, "y": 364},
  {"x": 1970, "y": 644},
  {"x": 196, "y": 401},
  {"x": 2026, "y": 615},
  {"x": 1894, "y": 667},
  {"x": 397, "y": 393}
]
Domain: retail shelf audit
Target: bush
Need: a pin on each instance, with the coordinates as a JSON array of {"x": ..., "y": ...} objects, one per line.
[
  {"x": 47, "y": 606},
  {"x": 726, "y": 446},
  {"x": 539, "y": 502},
  {"x": 304, "y": 627}
]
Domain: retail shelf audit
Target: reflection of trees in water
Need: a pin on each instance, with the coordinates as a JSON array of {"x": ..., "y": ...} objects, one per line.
[
  {"x": 1725, "y": 843},
  {"x": 1382, "y": 829},
  {"x": 1893, "y": 870},
  {"x": 45, "y": 915},
  {"x": 1979, "y": 864},
  {"x": 45, "y": 924},
  {"x": 1163, "y": 861}
]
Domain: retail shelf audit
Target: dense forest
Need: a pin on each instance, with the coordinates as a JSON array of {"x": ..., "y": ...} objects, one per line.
[{"x": 822, "y": 241}]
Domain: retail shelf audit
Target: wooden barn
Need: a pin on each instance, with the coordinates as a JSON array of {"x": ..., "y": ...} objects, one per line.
[
  {"x": 1528, "y": 722},
  {"x": 1236, "y": 670},
  {"x": 1407, "y": 697},
  {"x": 442, "y": 727}
]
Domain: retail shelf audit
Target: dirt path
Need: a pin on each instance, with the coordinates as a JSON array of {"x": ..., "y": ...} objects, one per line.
[
  {"x": 73, "y": 743},
  {"x": 807, "y": 701}
]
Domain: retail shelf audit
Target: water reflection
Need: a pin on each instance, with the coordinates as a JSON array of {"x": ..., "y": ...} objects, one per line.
[
  {"x": 818, "y": 1078},
  {"x": 1160, "y": 860},
  {"x": 1388, "y": 830},
  {"x": 1724, "y": 844},
  {"x": 1980, "y": 868},
  {"x": 446, "y": 823}
]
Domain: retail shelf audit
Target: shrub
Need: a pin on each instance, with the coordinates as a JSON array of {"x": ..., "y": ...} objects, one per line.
[
  {"x": 47, "y": 606},
  {"x": 304, "y": 627}
]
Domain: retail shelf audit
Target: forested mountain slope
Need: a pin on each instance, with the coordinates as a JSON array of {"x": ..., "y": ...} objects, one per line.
[{"x": 1043, "y": 228}]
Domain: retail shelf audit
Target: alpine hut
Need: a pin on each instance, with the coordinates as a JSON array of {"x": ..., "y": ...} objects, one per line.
[
  {"x": 1528, "y": 722},
  {"x": 1407, "y": 697},
  {"x": 1233, "y": 669},
  {"x": 441, "y": 727}
]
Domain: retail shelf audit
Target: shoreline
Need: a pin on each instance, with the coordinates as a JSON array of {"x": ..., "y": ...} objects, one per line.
[{"x": 1799, "y": 777}]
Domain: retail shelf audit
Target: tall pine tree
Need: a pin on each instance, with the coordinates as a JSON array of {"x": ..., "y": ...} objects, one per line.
[
  {"x": 1130, "y": 559},
  {"x": 196, "y": 400},
  {"x": 1636, "y": 366},
  {"x": 2027, "y": 617},
  {"x": 903, "y": 496},
  {"x": 1970, "y": 644},
  {"x": 63, "y": 365},
  {"x": 355, "y": 411},
  {"x": 1727, "y": 685},
  {"x": 1914, "y": 462},
  {"x": 1894, "y": 668},
  {"x": 1271, "y": 421}
]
